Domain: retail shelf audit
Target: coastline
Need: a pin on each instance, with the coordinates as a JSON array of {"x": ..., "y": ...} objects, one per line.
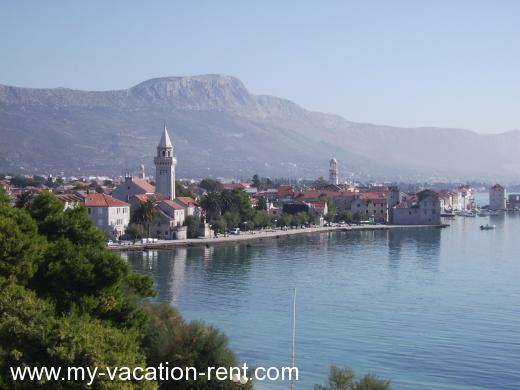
[{"x": 259, "y": 236}]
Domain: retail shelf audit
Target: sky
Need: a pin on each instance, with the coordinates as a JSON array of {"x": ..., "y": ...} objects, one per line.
[{"x": 410, "y": 63}]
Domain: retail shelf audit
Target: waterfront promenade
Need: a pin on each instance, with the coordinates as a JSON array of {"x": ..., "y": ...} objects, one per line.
[{"x": 259, "y": 235}]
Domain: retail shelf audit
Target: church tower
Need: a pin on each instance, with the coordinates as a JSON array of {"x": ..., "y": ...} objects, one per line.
[
  {"x": 333, "y": 172},
  {"x": 165, "y": 162}
]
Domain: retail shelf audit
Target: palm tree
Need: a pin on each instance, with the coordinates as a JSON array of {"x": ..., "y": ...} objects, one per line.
[
  {"x": 145, "y": 213},
  {"x": 24, "y": 199}
]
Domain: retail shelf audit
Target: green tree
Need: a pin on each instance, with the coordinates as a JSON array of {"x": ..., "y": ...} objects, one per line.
[
  {"x": 262, "y": 219},
  {"x": 22, "y": 248},
  {"x": 145, "y": 213},
  {"x": 285, "y": 219},
  {"x": 232, "y": 219},
  {"x": 261, "y": 203},
  {"x": 4, "y": 199},
  {"x": 331, "y": 210},
  {"x": 33, "y": 335},
  {"x": 78, "y": 273},
  {"x": 182, "y": 189},
  {"x": 357, "y": 217},
  {"x": 135, "y": 231},
  {"x": 219, "y": 225},
  {"x": 344, "y": 379},
  {"x": 211, "y": 185},
  {"x": 211, "y": 204},
  {"x": 168, "y": 338},
  {"x": 24, "y": 199},
  {"x": 193, "y": 226},
  {"x": 257, "y": 182}
]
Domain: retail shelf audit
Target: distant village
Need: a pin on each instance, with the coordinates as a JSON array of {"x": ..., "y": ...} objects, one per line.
[{"x": 162, "y": 207}]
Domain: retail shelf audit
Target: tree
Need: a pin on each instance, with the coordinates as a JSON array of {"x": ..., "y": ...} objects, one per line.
[
  {"x": 257, "y": 182},
  {"x": 135, "y": 231},
  {"x": 211, "y": 185},
  {"x": 145, "y": 213},
  {"x": 24, "y": 199},
  {"x": 320, "y": 183},
  {"x": 78, "y": 273},
  {"x": 182, "y": 190},
  {"x": 261, "y": 203},
  {"x": 219, "y": 225},
  {"x": 357, "y": 217},
  {"x": 33, "y": 335},
  {"x": 211, "y": 204},
  {"x": 4, "y": 199},
  {"x": 262, "y": 219},
  {"x": 331, "y": 210},
  {"x": 344, "y": 379},
  {"x": 168, "y": 338},
  {"x": 232, "y": 219},
  {"x": 21, "y": 246},
  {"x": 285, "y": 219},
  {"x": 193, "y": 226}
]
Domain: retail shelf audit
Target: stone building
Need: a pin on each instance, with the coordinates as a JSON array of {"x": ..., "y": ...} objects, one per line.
[
  {"x": 423, "y": 209},
  {"x": 497, "y": 197}
]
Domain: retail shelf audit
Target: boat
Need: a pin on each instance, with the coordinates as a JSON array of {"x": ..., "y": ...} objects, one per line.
[
  {"x": 468, "y": 214},
  {"x": 488, "y": 227}
]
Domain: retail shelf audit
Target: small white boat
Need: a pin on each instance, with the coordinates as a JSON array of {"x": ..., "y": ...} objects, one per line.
[{"x": 488, "y": 227}]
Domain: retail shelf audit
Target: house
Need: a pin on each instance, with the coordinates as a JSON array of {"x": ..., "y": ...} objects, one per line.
[
  {"x": 110, "y": 215},
  {"x": 130, "y": 187},
  {"x": 167, "y": 221},
  {"x": 513, "y": 202},
  {"x": 423, "y": 209},
  {"x": 497, "y": 197},
  {"x": 70, "y": 200},
  {"x": 191, "y": 207},
  {"x": 136, "y": 200},
  {"x": 371, "y": 205}
]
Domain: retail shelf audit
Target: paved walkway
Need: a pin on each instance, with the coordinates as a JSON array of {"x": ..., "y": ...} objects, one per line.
[{"x": 260, "y": 235}]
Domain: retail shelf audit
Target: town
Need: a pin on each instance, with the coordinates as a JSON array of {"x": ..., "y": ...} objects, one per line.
[{"x": 137, "y": 207}]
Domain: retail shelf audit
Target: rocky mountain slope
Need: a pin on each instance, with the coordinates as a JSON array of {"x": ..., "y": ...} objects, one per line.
[{"x": 221, "y": 129}]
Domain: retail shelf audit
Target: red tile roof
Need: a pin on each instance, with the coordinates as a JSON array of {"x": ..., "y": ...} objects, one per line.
[
  {"x": 144, "y": 185},
  {"x": 173, "y": 204},
  {"x": 103, "y": 200},
  {"x": 233, "y": 186},
  {"x": 187, "y": 201},
  {"x": 154, "y": 197}
]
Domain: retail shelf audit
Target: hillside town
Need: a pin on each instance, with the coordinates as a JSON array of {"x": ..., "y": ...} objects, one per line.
[{"x": 137, "y": 206}]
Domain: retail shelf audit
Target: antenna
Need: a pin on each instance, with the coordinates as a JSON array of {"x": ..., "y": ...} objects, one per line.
[{"x": 293, "y": 335}]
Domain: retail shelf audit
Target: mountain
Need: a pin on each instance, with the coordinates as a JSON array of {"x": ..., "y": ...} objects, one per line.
[{"x": 219, "y": 128}]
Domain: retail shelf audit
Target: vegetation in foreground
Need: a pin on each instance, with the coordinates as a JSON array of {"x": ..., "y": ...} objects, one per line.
[
  {"x": 345, "y": 379},
  {"x": 67, "y": 301}
]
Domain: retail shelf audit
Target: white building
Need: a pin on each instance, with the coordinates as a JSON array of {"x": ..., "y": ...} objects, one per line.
[
  {"x": 497, "y": 197},
  {"x": 165, "y": 162},
  {"x": 110, "y": 215}
]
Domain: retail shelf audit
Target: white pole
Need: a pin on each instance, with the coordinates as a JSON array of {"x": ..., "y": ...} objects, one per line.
[{"x": 293, "y": 335}]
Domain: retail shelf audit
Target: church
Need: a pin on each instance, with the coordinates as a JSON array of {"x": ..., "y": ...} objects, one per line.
[{"x": 170, "y": 211}]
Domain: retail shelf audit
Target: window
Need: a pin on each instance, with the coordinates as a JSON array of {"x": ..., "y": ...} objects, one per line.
[{"x": 89, "y": 210}]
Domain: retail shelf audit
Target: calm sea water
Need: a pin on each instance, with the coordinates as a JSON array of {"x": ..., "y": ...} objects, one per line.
[{"x": 428, "y": 309}]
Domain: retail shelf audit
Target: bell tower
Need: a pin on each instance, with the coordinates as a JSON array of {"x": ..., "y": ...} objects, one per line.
[{"x": 165, "y": 162}]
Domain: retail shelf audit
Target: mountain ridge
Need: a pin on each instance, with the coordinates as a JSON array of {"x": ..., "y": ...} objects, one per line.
[{"x": 223, "y": 129}]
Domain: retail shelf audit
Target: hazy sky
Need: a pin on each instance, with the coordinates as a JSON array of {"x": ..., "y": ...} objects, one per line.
[{"x": 407, "y": 63}]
